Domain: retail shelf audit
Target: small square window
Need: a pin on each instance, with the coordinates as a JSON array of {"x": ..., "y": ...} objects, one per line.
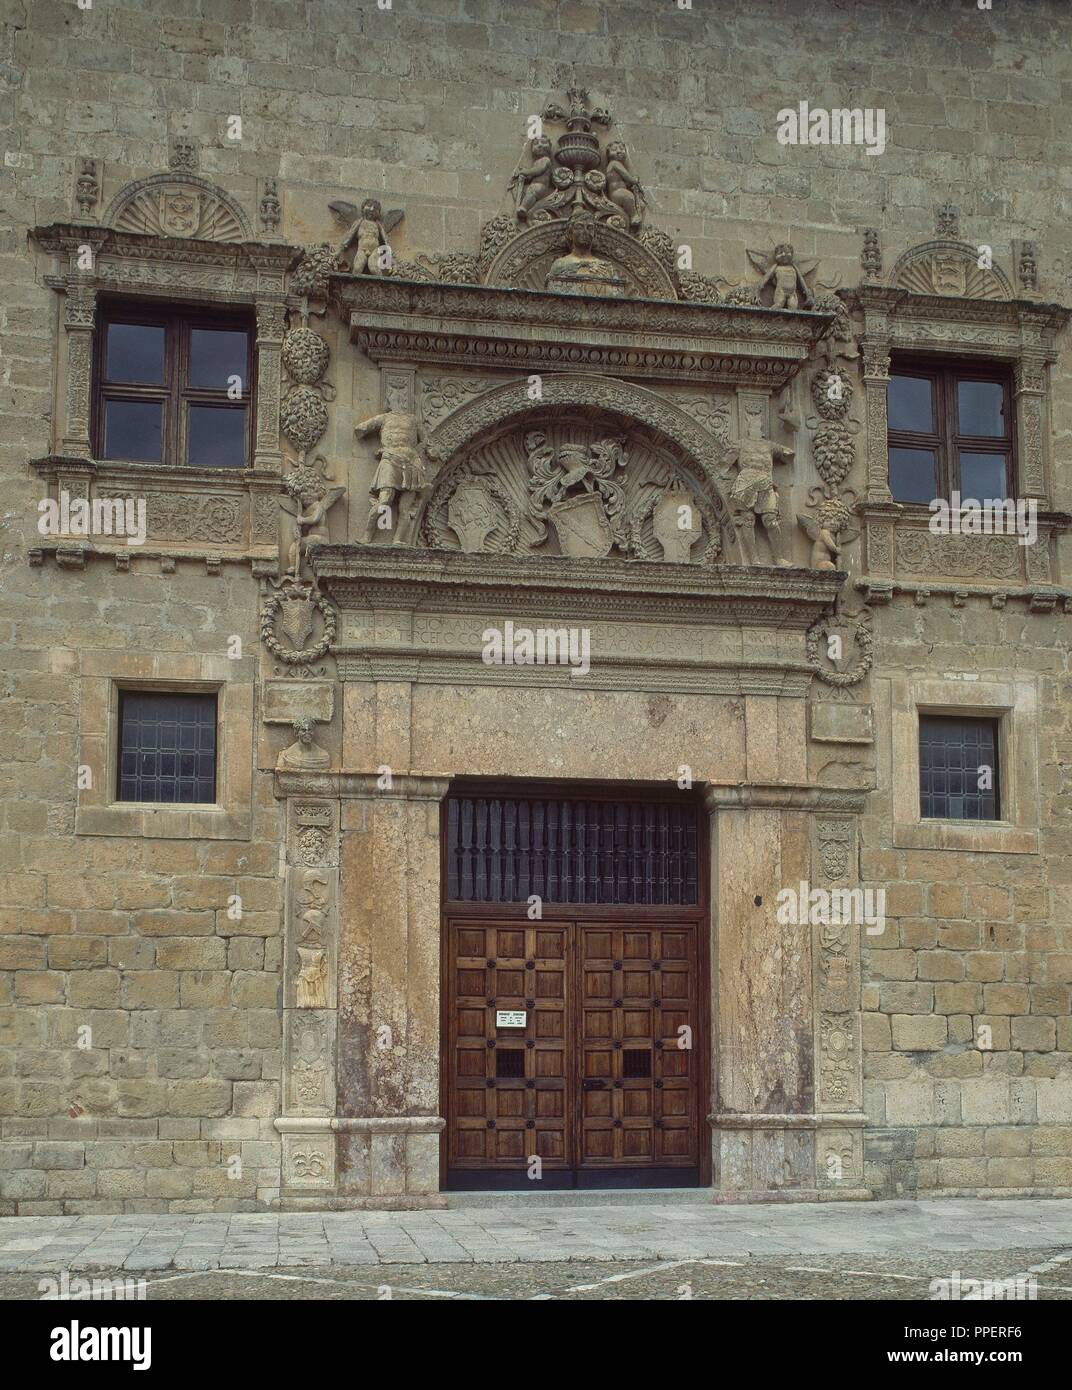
[
  {"x": 958, "y": 768},
  {"x": 167, "y": 747}
]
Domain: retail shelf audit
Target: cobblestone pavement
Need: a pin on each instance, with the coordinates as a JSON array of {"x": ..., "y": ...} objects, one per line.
[
  {"x": 842, "y": 1277},
  {"x": 686, "y": 1240}
]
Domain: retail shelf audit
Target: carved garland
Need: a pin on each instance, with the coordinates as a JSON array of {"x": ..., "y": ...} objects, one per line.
[
  {"x": 866, "y": 644},
  {"x": 290, "y": 657}
]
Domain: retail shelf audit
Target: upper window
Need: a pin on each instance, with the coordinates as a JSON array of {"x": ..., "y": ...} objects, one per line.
[
  {"x": 167, "y": 747},
  {"x": 950, "y": 430},
  {"x": 174, "y": 387}
]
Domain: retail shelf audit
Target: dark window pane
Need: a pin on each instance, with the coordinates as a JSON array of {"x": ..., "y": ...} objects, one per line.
[
  {"x": 216, "y": 355},
  {"x": 909, "y": 404},
  {"x": 135, "y": 353},
  {"x": 958, "y": 768},
  {"x": 217, "y": 436},
  {"x": 132, "y": 430},
  {"x": 982, "y": 476},
  {"x": 571, "y": 851},
  {"x": 980, "y": 408},
  {"x": 153, "y": 728},
  {"x": 912, "y": 475}
]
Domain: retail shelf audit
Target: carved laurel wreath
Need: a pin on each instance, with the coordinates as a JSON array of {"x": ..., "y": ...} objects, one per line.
[
  {"x": 866, "y": 645},
  {"x": 287, "y": 655}
]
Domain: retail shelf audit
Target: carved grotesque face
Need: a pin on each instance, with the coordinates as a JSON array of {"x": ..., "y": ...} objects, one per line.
[
  {"x": 616, "y": 150},
  {"x": 783, "y": 254},
  {"x": 370, "y": 209},
  {"x": 541, "y": 146}
]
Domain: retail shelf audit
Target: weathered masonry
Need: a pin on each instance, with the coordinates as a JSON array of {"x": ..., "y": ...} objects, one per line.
[{"x": 504, "y": 684}]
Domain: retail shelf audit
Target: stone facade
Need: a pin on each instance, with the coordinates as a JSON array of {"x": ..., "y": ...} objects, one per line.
[{"x": 625, "y": 369}]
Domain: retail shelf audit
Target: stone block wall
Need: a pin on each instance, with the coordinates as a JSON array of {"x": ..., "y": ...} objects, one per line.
[{"x": 424, "y": 106}]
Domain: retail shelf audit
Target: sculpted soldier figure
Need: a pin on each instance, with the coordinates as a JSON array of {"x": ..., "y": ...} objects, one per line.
[
  {"x": 753, "y": 492},
  {"x": 400, "y": 474}
]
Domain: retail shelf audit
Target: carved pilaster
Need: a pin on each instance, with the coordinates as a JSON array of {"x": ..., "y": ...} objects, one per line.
[
  {"x": 271, "y": 326},
  {"x": 310, "y": 971},
  {"x": 838, "y": 1024},
  {"x": 1030, "y": 392},
  {"x": 876, "y": 374},
  {"x": 78, "y": 322}
]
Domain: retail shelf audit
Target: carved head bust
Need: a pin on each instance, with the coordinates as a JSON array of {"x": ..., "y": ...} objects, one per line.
[
  {"x": 371, "y": 210},
  {"x": 540, "y": 146},
  {"x": 616, "y": 150},
  {"x": 783, "y": 253},
  {"x": 582, "y": 231}
]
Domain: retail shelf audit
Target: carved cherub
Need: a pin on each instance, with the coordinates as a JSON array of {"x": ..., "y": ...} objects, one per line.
[
  {"x": 400, "y": 474},
  {"x": 533, "y": 182},
  {"x": 307, "y": 505},
  {"x": 827, "y": 531},
  {"x": 785, "y": 274},
  {"x": 623, "y": 187},
  {"x": 368, "y": 227}
]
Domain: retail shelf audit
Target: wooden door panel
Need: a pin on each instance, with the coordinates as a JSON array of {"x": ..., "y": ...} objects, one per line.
[
  {"x": 508, "y": 1087},
  {"x": 596, "y": 1080},
  {"x": 639, "y": 1089}
]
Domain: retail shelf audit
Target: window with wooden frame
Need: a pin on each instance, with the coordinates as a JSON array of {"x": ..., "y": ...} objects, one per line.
[
  {"x": 174, "y": 386},
  {"x": 950, "y": 430}
]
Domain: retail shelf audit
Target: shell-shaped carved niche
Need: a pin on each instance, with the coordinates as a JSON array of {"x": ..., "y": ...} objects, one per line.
[
  {"x": 575, "y": 484},
  {"x": 950, "y": 268},
  {"x": 633, "y": 272},
  {"x": 178, "y": 206}
]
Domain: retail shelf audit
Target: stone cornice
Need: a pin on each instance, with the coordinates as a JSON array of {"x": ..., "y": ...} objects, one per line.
[
  {"x": 482, "y": 326},
  {"x": 901, "y": 304},
  {"x": 378, "y": 577},
  {"x": 62, "y": 239}
]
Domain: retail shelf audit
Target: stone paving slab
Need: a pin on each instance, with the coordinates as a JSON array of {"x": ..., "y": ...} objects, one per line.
[{"x": 529, "y": 1235}]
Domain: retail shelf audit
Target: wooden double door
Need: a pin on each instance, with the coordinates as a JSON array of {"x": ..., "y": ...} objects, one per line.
[{"x": 574, "y": 1052}]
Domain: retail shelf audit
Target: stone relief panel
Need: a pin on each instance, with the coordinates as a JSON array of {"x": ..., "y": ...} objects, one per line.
[
  {"x": 178, "y": 204},
  {"x": 961, "y": 557},
  {"x": 309, "y": 1061},
  {"x": 308, "y": 1161},
  {"x": 574, "y": 484}
]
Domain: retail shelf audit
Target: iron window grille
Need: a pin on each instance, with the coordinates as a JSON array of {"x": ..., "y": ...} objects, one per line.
[
  {"x": 167, "y": 747},
  {"x": 508, "y": 849},
  {"x": 958, "y": 768}
]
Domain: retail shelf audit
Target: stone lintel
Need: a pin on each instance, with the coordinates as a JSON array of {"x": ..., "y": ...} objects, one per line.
[
  {"x": 362, "y": 577},
  {"x": 784, "y": 795}
]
